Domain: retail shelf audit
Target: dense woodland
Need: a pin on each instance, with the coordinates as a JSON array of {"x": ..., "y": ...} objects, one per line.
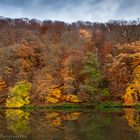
[{"x": 45, "y": 62}]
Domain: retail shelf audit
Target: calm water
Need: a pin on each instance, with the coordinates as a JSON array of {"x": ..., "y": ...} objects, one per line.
[{"x": 60, "y": 125}]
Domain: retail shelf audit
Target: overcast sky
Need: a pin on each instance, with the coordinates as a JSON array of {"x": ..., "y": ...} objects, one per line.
[{"x": 71, "y": 10}]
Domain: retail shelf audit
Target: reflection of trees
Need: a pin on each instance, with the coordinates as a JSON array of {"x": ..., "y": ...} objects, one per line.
[
  {"x": 18, "y": 121},
  {"x": 53, "y": 125},
  {"x": 57, "y": 118},
  {"x": 133, "y": 118},
  {"x": 2, "y": 124},
  {"x": 62, "y": 125}
]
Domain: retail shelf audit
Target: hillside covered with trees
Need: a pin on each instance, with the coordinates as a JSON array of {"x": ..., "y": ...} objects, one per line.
[{"x": 47, "y": 62}]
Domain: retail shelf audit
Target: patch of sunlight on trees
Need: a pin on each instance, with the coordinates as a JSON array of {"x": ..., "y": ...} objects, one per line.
[
  {"x": 56, "y": 96},
  {"x": 133, "y": 118},
  {"x": 71, "y": 98},
  {"x": 18, "y": 121},
  {"x": 18, "y": 95}
]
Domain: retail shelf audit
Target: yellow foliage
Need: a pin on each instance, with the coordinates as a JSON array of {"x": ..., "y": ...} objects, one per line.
[
  {"x": 18, "y": 121},
  {"x": 132, "y": 94},
  {"x": 17, "y": 102},
  {"x": 128, "y": 99},
  {"x": 19, "y": 95},
  {"x": 52, "y": 99},
  {"x": 65, "y": 98},
  {"x": 56, "y": 93},
  {"x": 55, "y": 96},
  {"x": 72, "y": 98},
  {"x": 14, "y": 102},
  {"x": 137, "y": 73}
]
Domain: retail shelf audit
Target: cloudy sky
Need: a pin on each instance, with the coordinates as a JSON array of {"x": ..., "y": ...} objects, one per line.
[{"x": 71, "y": 10}]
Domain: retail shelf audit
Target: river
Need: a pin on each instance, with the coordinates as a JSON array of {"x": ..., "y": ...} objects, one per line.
[{"x": 70, "y": 125}]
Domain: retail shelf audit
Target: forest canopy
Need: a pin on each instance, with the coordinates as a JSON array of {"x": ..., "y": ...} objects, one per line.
[{"x": 57, "y": 62}]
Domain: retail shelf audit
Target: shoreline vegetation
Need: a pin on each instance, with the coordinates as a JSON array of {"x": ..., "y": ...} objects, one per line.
[
  {"x": 52, "y": 64},
  {"x": 69, "y": 106}
]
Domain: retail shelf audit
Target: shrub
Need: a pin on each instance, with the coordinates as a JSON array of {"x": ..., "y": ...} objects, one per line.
[{"x": 18, "y": 95}]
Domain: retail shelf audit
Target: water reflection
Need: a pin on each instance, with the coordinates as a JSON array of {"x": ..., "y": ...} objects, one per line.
[
  {"x": 57, "y": 118},
  {"x": 133, "y": 118},
  {"x": 77, "y": 125},
  {"x": 18, "y": 121}
]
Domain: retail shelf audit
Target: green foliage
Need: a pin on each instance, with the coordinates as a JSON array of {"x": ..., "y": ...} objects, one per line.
[
  {"x": 109, "y": 106},
  {"x": 92, "y": 75},
  {"x": 106, "y": 92},
  {"x": 18, "y": 95}
]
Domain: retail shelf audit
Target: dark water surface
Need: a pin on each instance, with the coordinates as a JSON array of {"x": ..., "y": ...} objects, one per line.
[{"x": 63, "y": 125}]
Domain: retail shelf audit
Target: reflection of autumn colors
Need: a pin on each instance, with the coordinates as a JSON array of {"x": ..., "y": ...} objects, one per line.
[
  {"x": 133, "y": 118},
  {"x": 57, "y": 118},
  {"x": 18, "y": 121}
]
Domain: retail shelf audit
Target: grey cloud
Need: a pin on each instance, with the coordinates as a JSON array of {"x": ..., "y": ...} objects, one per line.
[
  {"x": 128, "y": 9},
  {"x": 15, "y": 3},
  {"x": 71, "y": 10}
]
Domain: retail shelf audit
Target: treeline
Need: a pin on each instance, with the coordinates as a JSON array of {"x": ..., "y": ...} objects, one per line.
[{"x": 77, "y": 62}]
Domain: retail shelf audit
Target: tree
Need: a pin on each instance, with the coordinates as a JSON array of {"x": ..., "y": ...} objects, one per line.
[
  {"x": 132, "y": 95},
  {"x": 124, "y": 72},
  {"x": 18, "y": 95},
  {"x": 92, "y": 76}
]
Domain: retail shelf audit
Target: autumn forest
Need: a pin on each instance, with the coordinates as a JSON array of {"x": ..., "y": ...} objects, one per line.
[{"x": 53, "y": 62}]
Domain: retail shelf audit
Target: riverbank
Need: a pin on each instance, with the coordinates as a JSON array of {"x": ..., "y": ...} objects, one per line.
[{"x": 73, "y": 106}]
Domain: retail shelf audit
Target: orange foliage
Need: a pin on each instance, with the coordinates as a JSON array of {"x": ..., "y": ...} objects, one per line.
[
  {"x": 123, "y": 72},
  {"x": 86, "y": 34},
  {"x": 51, "y": 55},
  {"x": 54, "y": 96},
  {"x": 2, "y": 85},
  {"x": 71, "y": 98}
]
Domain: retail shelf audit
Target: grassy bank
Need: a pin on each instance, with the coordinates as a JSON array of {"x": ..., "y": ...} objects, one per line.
[{"x": 73, "y": 106}]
